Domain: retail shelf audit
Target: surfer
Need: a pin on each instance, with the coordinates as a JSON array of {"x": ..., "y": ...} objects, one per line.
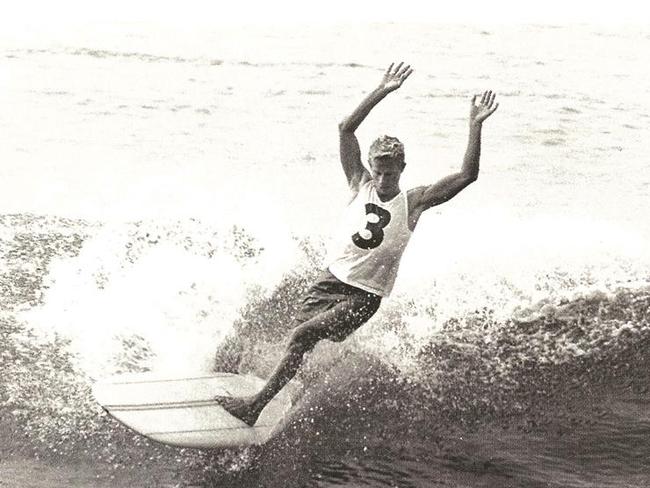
[{"x": 376, "y": 227}]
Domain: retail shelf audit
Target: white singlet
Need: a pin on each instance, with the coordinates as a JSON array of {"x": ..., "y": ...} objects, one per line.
[{"x": 368, "y": 246}]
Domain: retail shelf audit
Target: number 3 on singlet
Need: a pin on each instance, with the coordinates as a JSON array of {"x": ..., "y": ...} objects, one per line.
[{"x": 374, "y": 229}]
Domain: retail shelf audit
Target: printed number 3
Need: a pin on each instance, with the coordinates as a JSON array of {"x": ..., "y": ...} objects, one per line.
[{"x": 376, "y": 229}]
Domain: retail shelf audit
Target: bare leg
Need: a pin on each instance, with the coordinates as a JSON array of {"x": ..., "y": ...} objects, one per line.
[
  {"x": 249, "y": 409},
  {"x": 336, "y": 323}
]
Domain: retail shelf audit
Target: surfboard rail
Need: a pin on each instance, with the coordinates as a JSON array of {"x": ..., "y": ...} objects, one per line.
[{"x": 181, "y": 410}]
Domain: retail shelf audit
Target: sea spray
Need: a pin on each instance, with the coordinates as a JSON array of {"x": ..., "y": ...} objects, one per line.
[
  {"x": 172, "y": 289},
  {"x": 498, "y": 347},
  {"x": 49, "y": 353}
]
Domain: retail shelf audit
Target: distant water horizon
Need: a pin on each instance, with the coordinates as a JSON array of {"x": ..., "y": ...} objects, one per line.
[{"x": 168, "y": 195}]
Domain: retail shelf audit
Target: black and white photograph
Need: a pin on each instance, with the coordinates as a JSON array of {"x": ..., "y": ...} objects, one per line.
[{"x": 318, "y": 245}]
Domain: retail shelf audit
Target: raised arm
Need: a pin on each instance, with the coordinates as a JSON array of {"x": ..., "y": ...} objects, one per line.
[
  {"x": 354, "y": 170},
  {"x": 424, "y": 197}
]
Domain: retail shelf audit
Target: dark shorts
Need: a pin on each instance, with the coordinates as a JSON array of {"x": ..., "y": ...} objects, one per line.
[{"x": 336, "y": 309}]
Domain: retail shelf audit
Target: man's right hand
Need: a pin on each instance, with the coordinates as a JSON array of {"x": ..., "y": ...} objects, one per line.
[
  {"x": 355, "y": 172},
  {"x": 395, "y": 76}
]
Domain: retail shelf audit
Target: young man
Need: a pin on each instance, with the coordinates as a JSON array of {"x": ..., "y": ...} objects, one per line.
[{"x": 377, "y": 225}]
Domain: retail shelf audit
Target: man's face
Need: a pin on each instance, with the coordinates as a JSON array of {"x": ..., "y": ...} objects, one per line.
[{"x": 386, "y": 173}]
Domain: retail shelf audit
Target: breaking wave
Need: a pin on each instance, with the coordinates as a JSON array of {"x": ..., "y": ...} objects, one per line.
[{"x": 454, "y": 380}]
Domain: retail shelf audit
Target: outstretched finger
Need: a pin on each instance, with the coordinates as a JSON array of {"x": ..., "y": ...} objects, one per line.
[
  {"x": 474, "y": 99},
  {"x": 494, "y": 109},
  {"x": 390, "y": 68},
  {"x": 492, "y": 98},
  {"x": 404, "y": 69},
  {"x": 406, "y": 73},
  {"x": 399, "y": 67},
  {"x": 484, "y": 97}
]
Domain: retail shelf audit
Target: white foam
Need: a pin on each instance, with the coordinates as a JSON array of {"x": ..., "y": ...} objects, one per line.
[{"x": 178, "y": 289}]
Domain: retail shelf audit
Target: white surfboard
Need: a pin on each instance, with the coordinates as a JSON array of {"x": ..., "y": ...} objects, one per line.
[{"x": 181, "y": 411}]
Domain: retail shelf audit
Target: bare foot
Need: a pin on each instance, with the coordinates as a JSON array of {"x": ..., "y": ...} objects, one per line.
[{"x": 241, "y": 408}]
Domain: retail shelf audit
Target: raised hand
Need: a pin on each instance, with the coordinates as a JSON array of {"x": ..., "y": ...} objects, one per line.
[
  {"x": 485, "y": 107},
  {"x": 395, "y": 76}
]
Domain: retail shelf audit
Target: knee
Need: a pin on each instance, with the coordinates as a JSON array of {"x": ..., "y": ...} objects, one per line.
[{"x": 302, "y": 341}]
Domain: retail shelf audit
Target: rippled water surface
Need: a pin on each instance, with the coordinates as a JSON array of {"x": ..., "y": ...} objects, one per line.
[{"x": 166, "y": 199}]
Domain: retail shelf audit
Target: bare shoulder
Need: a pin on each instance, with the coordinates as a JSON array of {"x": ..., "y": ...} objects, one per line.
[
  {"x": 357, "y": 183},
  {"x": 362, "y": 179},
  {"x": 414, "y": 196},
  {"x": 414, "y": 199}
]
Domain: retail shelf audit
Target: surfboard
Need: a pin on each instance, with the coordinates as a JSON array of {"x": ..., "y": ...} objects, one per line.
[{"x": 181, "y": 411}]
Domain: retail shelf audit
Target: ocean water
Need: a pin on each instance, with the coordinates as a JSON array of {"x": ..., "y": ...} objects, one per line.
[{"x": 167, "y": 196}]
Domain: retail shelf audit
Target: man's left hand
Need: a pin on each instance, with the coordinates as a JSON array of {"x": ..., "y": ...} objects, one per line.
[{"x": 485, "y": 107}]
